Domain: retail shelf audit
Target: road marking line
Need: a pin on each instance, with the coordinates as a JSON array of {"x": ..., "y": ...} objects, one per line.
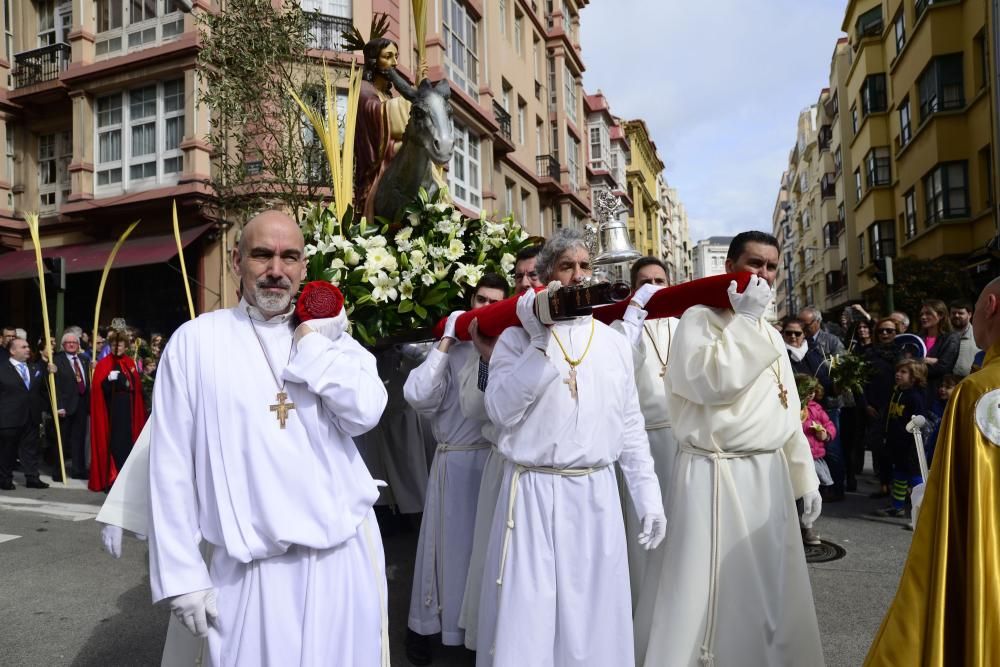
[
  {"x": 68, "y": 511},
  {"x": 7, "y": 538}
]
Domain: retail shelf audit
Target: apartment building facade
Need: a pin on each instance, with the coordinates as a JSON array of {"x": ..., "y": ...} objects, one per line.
[
  {"x": 643, "y": 169},
  {"x": 101, "y": 126},
  {"x": 708, "y": 257},
  {"x": 912, "y": 131}
]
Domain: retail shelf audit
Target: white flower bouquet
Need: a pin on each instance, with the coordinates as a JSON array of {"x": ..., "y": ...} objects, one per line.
[{"x": 399, "y": 280}]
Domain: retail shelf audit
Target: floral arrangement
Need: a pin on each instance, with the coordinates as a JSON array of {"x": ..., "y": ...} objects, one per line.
[{"x": 398, "y": 279}]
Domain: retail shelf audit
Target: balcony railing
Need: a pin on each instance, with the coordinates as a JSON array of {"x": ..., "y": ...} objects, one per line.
[
  {"x": 325, "y": 31},
  {"x": 547, "y": 166},
  {"x": 40, "y": 65},
  {"x": 503, "y": 118}
]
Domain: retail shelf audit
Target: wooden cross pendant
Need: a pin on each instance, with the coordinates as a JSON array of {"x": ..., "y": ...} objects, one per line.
[
  {"x": 571, "y": 382},
  {"x": 783, "y": 395},
  {"x": 281, "y": 408}
]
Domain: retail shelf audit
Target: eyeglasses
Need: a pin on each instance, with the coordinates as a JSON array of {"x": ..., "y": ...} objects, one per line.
[
  {"x": 793, "y": 333},
  {"x": 886, "y": 331}
]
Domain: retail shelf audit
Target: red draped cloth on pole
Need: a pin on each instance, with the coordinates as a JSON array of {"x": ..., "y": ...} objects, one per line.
[
  {"x": 130, "y": 406},
  {"x": 668, "y": 302}
]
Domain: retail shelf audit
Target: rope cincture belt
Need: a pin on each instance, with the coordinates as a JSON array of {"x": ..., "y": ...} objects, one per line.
[
  {"x": 707, "y": 657},
  {"x": 520, "y": 469},
  {"x": 442, "y": 473}
]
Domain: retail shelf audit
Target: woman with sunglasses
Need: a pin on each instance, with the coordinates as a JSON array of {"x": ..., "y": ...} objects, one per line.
[{"x": 804, "y": 359}]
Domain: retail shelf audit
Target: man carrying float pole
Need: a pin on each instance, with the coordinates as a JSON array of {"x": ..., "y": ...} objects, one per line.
[
  {"x": 446, "y": 529},
  {"x": 564, "y": 398}
]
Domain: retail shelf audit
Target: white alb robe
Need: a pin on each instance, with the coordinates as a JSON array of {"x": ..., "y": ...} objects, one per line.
[
  {"x": 563, "y": 596},
  {"x": 445, "y": 542},
  {"x": 472, "y": 401},
  {"x": 734, "y": 586},
  {"x": 127, "y": 506},
  {"x": 297, "y": 562},
  {"x": 644, "y": 564}
]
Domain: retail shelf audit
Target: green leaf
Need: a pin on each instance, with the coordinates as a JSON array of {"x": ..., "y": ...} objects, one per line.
[
  {"x": 420, "y": 311},
  {"x": 405, "y": 307}
]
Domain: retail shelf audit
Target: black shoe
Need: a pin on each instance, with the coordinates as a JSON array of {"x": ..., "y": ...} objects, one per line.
[
  {"x": 852, "y": 485},
  {"x": 35, "y": 483},
  {"x": 418, "y": 648},
  {"x": 7, "y": 486},
  {"x": 57, "y": 477},
  {"x": 834, "y": 497},
  {"x": 892, "y": 512},
  {"x": 80, "y": 475}
]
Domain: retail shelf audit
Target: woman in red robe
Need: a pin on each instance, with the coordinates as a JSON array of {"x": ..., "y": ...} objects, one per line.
[{"x": 117, "y": 412}]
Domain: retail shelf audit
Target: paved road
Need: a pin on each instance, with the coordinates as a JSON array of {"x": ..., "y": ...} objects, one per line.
[{"x": 66, "y": 603}]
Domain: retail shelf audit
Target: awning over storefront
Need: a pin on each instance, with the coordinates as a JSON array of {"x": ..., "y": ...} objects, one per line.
[{"x": 136, "y": 251}]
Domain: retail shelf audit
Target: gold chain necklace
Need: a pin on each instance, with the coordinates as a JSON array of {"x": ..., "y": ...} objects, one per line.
[
  {"x": 573, "y": 363},
  {"x": 776, "y": 370},
  {"x": 281, "y": 408},
  {"x": 663, "y": 361}
]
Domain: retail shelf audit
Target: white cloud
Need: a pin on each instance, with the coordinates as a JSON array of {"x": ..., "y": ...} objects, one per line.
[{"x": 720, "y": 85}]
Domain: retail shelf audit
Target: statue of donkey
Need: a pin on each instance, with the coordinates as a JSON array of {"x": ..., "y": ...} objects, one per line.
[{"x": 429, "y": 139}]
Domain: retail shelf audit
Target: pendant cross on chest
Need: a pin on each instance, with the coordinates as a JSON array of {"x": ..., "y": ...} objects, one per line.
[
  {"x": 783, "y": 395},
  {"x": 571, "y": 382},
  {"x": 281, "y": 408}
]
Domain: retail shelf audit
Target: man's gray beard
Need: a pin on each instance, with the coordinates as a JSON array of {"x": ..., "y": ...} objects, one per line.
[{"x": 271, "y": 304}]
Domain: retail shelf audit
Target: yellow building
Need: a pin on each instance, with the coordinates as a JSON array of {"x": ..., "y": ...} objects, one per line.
[
  {"x": 909, "y": 121},
  {"x": 643, "y": 168}
]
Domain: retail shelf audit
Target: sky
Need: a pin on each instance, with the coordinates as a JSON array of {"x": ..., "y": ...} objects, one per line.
[{"x": 720, "y": 84}]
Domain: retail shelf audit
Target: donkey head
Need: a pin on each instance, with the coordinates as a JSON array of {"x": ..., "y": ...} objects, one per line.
[{"x": 430, "y": 123}]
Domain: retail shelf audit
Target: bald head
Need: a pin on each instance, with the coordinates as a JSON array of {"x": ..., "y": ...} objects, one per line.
[
  {"x": 986, "y": 318},
  {"x": 270, "y": 260}
]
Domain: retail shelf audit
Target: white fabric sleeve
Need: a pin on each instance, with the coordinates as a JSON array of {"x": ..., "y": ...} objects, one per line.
[
  {"x": 175, "y": 562},
  {"x": 638, "y": 345},
  {"x": 519, "y": 373},
  {"x": 636, "y": 461},
  {"x": 127, "y": 504},
  {"x": 344, "y": 376},
  {"x": 471, "y": 400},
  {"x": 713, "y": 366},
  {"x": 427, "y": 384}
]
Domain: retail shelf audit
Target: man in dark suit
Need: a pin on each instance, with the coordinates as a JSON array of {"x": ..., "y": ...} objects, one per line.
[
  {"x": 20, "y": 415},
  {"x": 73, "y": 401},
  {"x": 5, "y": 338}
]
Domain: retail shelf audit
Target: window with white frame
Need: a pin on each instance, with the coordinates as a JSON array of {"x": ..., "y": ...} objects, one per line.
[
  {"x": 518, "y": 37},
  {"x": 535, "y": 59},
  {"x": 522, "y": 119},
  {"x": 508, "y": 198},
  {"x": 502, "y": 15},
  {"x": 465, "y": 175},
  {"x": 569, "y": 93},
  {"x": 572, "y": 160},
  {"x": 46, "y": 10},
  {"x": 139, "y": 133},
  {"x": 600, "y": 148},
  {"x": 525, "y": 200},
  {"x": 8, "y": 35},
  {"x": 54, "y": 154},
  {"x": 127, "y": 25},
  {"x": 461, "y": 38},
  {"x": 553, "y": 96},
  {"x": 539, "y": 136},
  {"x": 10, "y": 130}
]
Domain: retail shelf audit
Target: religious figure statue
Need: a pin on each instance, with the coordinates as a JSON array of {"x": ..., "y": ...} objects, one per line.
[{"x": 384, "y": 128}]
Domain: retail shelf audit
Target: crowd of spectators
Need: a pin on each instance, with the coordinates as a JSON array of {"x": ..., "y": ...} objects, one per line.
[
  {"x": 27, "y": 422},
  {"x": 911, "y": 371}
]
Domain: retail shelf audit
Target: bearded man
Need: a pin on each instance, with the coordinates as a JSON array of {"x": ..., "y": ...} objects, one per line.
[{"x": 251, "y": 451}]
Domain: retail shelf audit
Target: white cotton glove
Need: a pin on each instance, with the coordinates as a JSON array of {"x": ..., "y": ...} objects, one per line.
[
  {"x": 449, "y": 325},
  {"x": 645, "y": 293},
  {"x": 331, "y": 327},
  {"x": 812, "y": 505},
  {"x": 752, "y": 303},
  {"x": 538, "y": 332},
  {"x": 632, "y": 322},
  {"x": 113, "y": 375},
  {"x": 196, "y": 610},
  {"x": 654, "y": 529},
  {"x": 111, "y": 540}
]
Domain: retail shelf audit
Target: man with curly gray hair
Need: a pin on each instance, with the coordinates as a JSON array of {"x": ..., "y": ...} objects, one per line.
[{"x": 565, "y": 401}]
